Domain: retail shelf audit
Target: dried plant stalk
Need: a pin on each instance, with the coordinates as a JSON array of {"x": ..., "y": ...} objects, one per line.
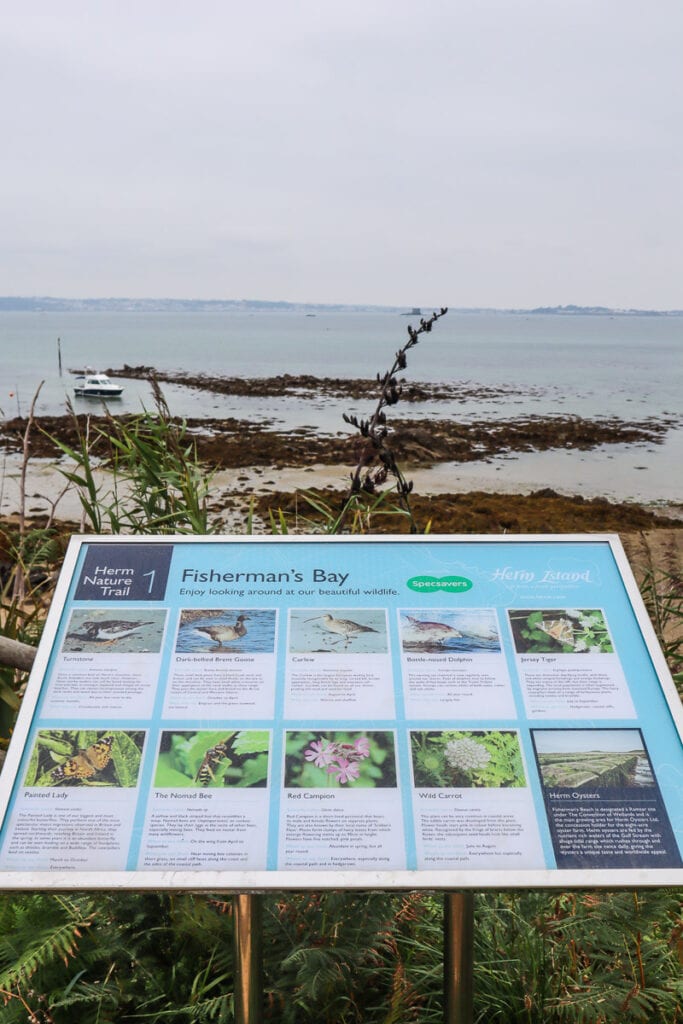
[{"x": 377, "y": 461}]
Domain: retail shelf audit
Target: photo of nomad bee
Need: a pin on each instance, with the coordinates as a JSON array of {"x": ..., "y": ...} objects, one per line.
[{"x": 212, "y": 759}]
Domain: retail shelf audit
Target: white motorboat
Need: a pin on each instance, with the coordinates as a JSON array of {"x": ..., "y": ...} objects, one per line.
[{"x": 96, "y": 385}]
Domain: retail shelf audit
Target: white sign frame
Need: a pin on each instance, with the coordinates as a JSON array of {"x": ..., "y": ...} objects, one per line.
[{"x": 356, "y": 549}]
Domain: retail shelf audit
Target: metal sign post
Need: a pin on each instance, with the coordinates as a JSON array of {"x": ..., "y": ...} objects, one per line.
[
  {"x": 248, "y": 950},
  {"x": 458, "y": 957}
]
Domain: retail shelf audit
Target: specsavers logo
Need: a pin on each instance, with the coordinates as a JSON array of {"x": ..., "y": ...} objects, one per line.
[{"x": 430, "y": 584}]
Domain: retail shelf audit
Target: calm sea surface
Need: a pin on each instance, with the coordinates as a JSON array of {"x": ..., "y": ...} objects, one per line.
[{"x": 628, "y": 367}]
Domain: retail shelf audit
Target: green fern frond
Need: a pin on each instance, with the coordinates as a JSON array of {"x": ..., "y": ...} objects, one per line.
[{"x": 52, "y": 943}]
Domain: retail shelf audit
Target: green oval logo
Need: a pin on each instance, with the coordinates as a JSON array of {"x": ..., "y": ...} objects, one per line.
[{"x": 430, "y": 584}]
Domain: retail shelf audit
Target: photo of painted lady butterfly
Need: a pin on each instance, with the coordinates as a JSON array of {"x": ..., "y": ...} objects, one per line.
[
  {"x": 86, "y": 758},
  {"x": 86, "y": 763}
]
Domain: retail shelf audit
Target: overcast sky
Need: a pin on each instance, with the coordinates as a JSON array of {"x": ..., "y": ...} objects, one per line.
[{"x": 461, "y": 152}]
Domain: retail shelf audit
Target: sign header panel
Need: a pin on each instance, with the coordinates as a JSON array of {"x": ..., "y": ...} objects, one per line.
[{"x": 348, "y": 712}]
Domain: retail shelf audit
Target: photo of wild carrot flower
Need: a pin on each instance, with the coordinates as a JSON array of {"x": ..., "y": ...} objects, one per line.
[
  {"x": 477, "y": 758},
  {"x": 317, "y": 760}
]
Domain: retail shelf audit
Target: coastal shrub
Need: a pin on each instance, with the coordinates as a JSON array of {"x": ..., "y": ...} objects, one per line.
[
  {"x": 341, "y": 958},
  {"x": 155, "y": 483},
  {"x": 662, "y": 593},
  {"x": 30, "y": 554},
  {"x": 30, "y": 560}
]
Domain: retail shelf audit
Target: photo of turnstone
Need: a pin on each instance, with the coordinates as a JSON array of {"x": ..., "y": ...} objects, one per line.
[
  {"x": 107, "y": 632},
  {"x": 97, "y": 630}
]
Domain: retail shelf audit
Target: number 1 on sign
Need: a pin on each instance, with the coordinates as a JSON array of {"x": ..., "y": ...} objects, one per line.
[{"x": 151, "y": 575}]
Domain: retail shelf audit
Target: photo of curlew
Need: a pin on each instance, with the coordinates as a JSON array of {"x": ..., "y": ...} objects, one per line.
[
  {"x": 341, "y": 631},
  {"x": 226, "y": 631}
]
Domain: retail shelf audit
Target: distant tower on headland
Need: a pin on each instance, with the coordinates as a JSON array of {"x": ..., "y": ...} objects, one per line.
[{"x": 415, "y": 311}]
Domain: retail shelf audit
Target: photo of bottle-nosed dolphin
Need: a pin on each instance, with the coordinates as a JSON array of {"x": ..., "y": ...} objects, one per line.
[
  {"x": 434, "y": 630},
  {"x": 226, "y": 631}
]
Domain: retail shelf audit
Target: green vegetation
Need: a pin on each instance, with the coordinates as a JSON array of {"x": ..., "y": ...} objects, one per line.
[
  {"x": 350, "y": 760},
  {"x": 662, "y": 593},
  {"x": 157, "y": 483},
  {"x": 338, "y": 958}
]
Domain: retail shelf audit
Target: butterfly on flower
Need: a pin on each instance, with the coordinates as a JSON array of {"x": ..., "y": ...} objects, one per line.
[{"x": 86, "y": 763}]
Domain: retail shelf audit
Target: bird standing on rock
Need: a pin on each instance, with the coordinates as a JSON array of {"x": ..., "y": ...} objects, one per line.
[
  {"x": 225, "y": 633},
  {"x": 346, "y": 628},
  {"x": 106, "y": 632}
]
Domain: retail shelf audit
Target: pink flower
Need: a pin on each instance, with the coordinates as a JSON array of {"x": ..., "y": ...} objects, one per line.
[
  {"x": 320, "y": 753},
  {"x": 362, "y": 746},
  {"x": 344, "y": 771}
]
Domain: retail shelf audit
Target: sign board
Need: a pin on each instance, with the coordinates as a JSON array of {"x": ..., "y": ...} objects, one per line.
[{"x": 289, "y": 712}]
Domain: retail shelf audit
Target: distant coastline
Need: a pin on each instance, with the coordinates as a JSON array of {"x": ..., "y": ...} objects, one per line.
[{"x": 51, "y": 304}]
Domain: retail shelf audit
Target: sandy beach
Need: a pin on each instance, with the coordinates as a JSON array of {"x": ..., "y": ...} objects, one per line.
[{"x": 488, "y": 506}]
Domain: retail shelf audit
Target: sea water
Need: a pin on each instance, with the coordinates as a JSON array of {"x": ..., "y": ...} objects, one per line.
[{"x": 629, "y": 367}]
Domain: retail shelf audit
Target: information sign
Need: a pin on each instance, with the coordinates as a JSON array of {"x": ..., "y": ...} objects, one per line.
[{"x": 288, "y": 712}]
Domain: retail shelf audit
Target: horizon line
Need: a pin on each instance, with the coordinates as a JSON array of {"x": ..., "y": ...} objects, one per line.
[{"x": 7, "y": 301}]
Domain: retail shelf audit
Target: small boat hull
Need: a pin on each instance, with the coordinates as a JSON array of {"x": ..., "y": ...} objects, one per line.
[
  {"x": 96, "y": 385},
  {"x": 86, "y": 392}
]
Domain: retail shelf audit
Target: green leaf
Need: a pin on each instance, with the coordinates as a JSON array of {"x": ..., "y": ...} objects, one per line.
[{"x": 252, "y": 741}]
